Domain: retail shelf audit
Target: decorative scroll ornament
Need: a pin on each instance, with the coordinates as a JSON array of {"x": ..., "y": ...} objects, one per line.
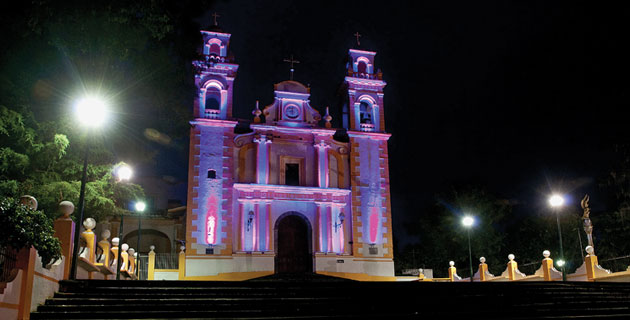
[{"x": 243, "y": 139}]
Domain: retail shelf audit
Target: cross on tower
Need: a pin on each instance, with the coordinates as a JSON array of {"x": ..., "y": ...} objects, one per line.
[
  {"x": 358, "y": 35},
  {"x": 291, "y": 61},
  {"x": 215, "y": 15}
]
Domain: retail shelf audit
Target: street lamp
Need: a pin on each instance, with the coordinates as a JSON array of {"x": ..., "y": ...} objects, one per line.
[
  {"x": 123, "y": 173},
  {"x": 468, "y": 222},
  {"x": 91, "y": 113},
  {"x": 556, "y": 201},
  {"x": 140, "y": 206}
]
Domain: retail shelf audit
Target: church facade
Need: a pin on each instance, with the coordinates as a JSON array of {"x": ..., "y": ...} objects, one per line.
[{"x": 291, "y": 193}]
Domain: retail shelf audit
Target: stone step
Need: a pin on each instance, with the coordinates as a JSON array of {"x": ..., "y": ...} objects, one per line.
[
  {"x": 348, "y": 299},
  {"x": 189, "y": 300},
  {"x": 215, "y": 306}
]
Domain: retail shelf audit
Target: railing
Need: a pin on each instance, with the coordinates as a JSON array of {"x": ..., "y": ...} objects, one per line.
[
  {"x": 7, "y": 264},
  {"x": 529, "y": 268},
  {"x": 364, "y": 75},
  {"x": 143, "y": 266},
  {"x": 616, "y": 264},
  {"x": 166, "y": 261},
  {"x": 368, "y": 127},
  {"x": 212, "y": 113}
]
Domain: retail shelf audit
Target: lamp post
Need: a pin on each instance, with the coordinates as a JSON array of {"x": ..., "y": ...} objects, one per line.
[
  {"x": 468, "y": 221},
  {"x": 123, "y": 173},
  {"x": 91, "y": 112},
  {"x": 140, "y": 206},
  {"x": 556, "y": 201}
]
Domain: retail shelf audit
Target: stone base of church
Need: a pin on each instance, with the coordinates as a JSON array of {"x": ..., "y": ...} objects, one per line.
[
  {"x": 239, "y": 267},
  {"x": 362, "y": 269}
]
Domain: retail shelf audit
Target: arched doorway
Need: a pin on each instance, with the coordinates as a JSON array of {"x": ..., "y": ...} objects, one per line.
[
  {"x": 149, "y": 237},
  {"x": 293, "y": 244}
]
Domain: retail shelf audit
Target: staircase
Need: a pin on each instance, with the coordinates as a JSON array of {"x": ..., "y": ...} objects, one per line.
[{"x": 325, "y": 297}]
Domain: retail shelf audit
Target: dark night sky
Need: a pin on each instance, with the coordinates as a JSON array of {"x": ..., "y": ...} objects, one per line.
[{"x": 520, "y": 97}]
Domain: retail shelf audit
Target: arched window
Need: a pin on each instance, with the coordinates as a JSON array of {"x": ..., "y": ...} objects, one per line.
[
  {"x": 213, "y": 98},
  {"x": 362, "y": 67},
  {"x": 365, "y": 112},
  {"x": 215, "y": 49}
]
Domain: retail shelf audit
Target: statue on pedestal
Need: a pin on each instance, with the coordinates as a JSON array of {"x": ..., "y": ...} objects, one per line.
[{"x": 588, "y": 225}]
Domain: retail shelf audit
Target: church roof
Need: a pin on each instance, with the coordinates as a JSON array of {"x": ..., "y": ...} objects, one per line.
[{"x": 291, "y": 86}]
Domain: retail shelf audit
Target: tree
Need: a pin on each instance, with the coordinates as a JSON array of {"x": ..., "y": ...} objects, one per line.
[
  {"x": 35, "y": 160},
  {"x": 443, "y": 238},
  {"x": 122, "y": 49}
]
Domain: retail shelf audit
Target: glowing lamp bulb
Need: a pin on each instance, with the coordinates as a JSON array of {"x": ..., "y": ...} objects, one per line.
[
  {"x": 91, "y": 111},
  {"x": 140, "y": 206},
  {"x": 124, "y": 172},
  {"x": 556, "y": 200},
  {"x": 468, "y": 221},
  {"x": 560, "y": 263}
]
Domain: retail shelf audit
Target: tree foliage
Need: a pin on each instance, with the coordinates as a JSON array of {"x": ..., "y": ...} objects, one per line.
[
  {"x": 40, "y": 162},
  {"x": 23, "y": 227},
  {"x": 499, "y": 232},
  {"x": 443, "y": 237}
]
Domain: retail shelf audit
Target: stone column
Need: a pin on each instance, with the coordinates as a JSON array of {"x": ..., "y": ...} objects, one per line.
[
  {"x": 322, "y": 163},
  {"x": 319, "y": 229},
  {"x": 265, "y": 226},
  {"x": 255, "y": 228},
  {"x": 262, "y": 158}
]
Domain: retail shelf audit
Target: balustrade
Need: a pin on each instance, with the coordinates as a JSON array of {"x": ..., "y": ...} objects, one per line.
[
  {"x": 367, "y": 127},
  {"x": 212, "y": 113}
]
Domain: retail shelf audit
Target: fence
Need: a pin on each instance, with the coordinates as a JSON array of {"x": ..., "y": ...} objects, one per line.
[
  {"x": 616, "y": 264},
  {"x": 7, "y": 264},
  {"x": 166, "y": 261},
  {"x": 529, "y": 268},
  {"x": 143, "y": 266}
]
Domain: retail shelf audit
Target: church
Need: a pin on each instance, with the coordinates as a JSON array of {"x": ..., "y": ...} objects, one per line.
[{"x": 290, "y": 194}]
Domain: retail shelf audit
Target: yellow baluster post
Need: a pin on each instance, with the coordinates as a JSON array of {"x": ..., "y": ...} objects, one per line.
[
  {"x": 452, "y": 271},
  {"x": 591, "y": 263},
  {"x": 124, "y": 256},
  {"x": 105, "y": 246},
  {"x": 182, "y": 263},
  {"x": 151, "y": 268},
  {"x": 114, "y": 252},
  {"x": 547, "y": 265},
  {"x": 132, "y": 262},
  {"x": 89, "y": 238},
  {"x": 511, "y": 267},
  {"x": 483, "y": 268}
]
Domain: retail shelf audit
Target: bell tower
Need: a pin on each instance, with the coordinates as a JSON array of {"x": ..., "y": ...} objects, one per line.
[
  {"x": 214, "y": 76},
  {"x": 364, "y": 109}
]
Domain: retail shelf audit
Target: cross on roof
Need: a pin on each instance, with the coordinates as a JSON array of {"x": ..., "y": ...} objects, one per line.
[
  {"x": 358, "y": 35},
  {"x": 215, "y": 15},
  {"x": 291, "y": 61}
]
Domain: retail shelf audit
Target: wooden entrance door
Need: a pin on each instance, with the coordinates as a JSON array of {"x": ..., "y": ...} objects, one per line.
[{"x": 293, "y": 246}]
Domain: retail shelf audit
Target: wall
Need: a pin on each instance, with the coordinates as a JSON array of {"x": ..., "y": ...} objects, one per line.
[{"x": 32, "y": 286}]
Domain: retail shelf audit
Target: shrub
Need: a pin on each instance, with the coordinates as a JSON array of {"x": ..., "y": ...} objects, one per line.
[{"x": 22, "y": 227}]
